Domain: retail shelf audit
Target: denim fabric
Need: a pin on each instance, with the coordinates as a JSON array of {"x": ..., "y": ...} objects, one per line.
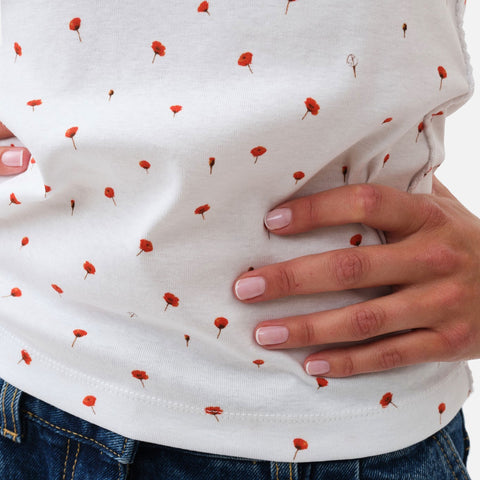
[{"x": 40, "y": 442}]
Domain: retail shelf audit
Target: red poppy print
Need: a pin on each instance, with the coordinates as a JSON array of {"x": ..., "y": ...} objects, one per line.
[
  {"x": 75, "y": 26},
  {"x": 344, "y": 173},
  {"x": 141, "y": 375},
  {"x": 298, "y": 176},
  {"x": 356, "y": 240},
  {"x": 387, "y": 400},
  {"x": 110, "y": 93},
  {"x": 258, "y": 152},
  {"x": 79, "y": 333},
  {"x": 171, "y": 299},
  {"x": 288, "y": 4},
  {"x": 144, "y": 164},
  {"x": 312, "y": 106},
  {"x": 404, "y": 28},
  {"x": 89, "y": 401},
  {"x": 299, "y": 444},
  {"x": 321, "y": 382},
  {"x": 443, "y": 74},
  {"x": 214, "y": 411},
  {"x": 145, "y": 246},
  {"x": 385, "y": 159},
  {"x": 258, "y": 362},
  {"x": 387, "y": 120},
  {"x": 110, "y": 193},
  {"x": 72, "y": 205},
  {"x": 24, "y": 242},
  {"x": 203, "y": 7},
  {"x": 436, "y": 115},
  {"x": 211, "y": 163},
  {"x": 245, "y": 60},
  {"x": 175, "y": 109},
  {"x": 158, "y": 49},
  {"x": 187, "y": 339},
  {"x": 18, "y": 51},
  {"x": 441, "y": 409},
  {"x": 420, "y": 130},
  {"x": 13, "y": 199},
  {"x": 47, "y": 189},
  {"x": 34, "y": 103},
  {"x": 70, "y": 133},
  {"x": 220, "y": 323},
  {"x": 14, "y": 292},
  {"x": 89, "y": 268},
  {"x": 57, "y": 288},
  {"x": 202, "y": 209},
  {"x": 353, "y": 62},
  {"x": 25, "y": 357}
]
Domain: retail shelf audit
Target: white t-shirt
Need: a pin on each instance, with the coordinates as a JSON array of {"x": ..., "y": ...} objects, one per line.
[{"x": 165, "y": 132}]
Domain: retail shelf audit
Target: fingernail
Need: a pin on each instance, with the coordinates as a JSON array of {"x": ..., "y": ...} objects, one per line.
[
  {"x": 278, "y": 218},
  {"x": 13, "y": 157},
  {"x": 249, "y": 287},
  {"x": 271, "y": 335},
  {"x": 317, "y": 367}
]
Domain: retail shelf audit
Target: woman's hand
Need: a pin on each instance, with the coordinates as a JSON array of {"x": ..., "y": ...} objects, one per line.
[
  {"x": 13, "y": 160},
  {"x": 432, "y": 260}
]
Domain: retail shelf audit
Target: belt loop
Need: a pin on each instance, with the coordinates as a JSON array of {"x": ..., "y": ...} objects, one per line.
[{"x": 10, "y": 423}]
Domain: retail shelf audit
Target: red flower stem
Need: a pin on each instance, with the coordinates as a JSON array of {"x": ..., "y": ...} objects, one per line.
[
  {"x": 154, "y": 55},
  {"x": 249, "y": 68},
  {"x": 355, "y": 71},
  {"x": 305, "y": 114},
  {"x": 93, "y": 411},
  {"x": 85, "y": 276},
  {"x": 74, "y": 341},
  {"x": 78, "y": 31},
  {"x": 19, "y": 361},
  {"x": 74, "y": 143},
  {"x": 166, "y": 308},
  {"x": 114, "y": 201}
]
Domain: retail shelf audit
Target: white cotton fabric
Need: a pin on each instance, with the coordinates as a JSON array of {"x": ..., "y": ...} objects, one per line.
[{"x": 227, "y": 110}]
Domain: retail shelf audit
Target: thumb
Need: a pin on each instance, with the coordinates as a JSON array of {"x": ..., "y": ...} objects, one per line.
[{"x": 13, "y": 160}]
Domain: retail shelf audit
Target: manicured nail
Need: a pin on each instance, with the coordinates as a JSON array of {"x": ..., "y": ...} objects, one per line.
[
  {"x": 278, "y": 218},
  {"x": 317, "y": 367},
  {"x": 249, "y": 287},
  {"x": 271, "y": 335},
  {"x": 13, "y": 157}
]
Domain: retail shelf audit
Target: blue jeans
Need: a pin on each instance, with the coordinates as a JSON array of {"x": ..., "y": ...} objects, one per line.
[{"x": 40, "y": 442}]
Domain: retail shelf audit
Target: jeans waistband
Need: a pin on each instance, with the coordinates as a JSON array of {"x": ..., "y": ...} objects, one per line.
[{"x": 15, "y": 404}]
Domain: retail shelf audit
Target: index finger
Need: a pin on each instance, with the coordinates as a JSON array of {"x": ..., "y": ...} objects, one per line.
[{"x": 378, "y": 206}]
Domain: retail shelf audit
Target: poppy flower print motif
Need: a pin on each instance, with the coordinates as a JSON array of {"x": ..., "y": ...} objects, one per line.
[
  {"x": 140, "y": 375},
  {"x": 18, "y": 51},
  {"x": 70, "y": 133},
  {"x": 298, "y": 176},
  {"x": 299, "y": 444},
  {"x": 78, "y": 332},
  {"x": 211, "y": 163},
  {"x": 25, "y": 357},
  {"x": 24, "y": 242},
  {"x": 13, "y": 199},
  {"x": 89, "y": 401},
  {"x": 387, "y": 120},
  {"x": 352, "y": 62},
  {"x": 356, "y": 240},
  {"x": 321, "y": 382},
  {"x": 258, "y": 152},
  {"x": 419, "y": 130},
  {"x": 344, "y": 173},
  {"x": 57, "y": 288},
  {"x": 385, "y": 159},
  {"x": 214, "y": 411},
  {"x": 203, "y": 7},
  {"x": 312, "y": 106},
  {"x": 171, "y": 299},
  {"x": 202, "y": 209},
  {"x": 175, "y": 109},
  {"x": 288, "y": 4},
  {"x": 144, "y": 164},
  {"x": 34, "y": 103},
  {"x": 90, "y": 269},
  {"x": 245, "y": 60},
  {"x": 75, "y": 26},
  {"x": 72, "y": 205},
  {"x": 14, "y": 292},
  {"x": 386, "y": 400},
  {"x": 258, "y": 362},
  {"x": 441, "y": 409},
  {"x": 158, "y": 49},
  {"x": 404, "y": 28},
  {"x": 110, "y": 93},
  {"x": 187, "y": 339},
  {"x": 110, "y": 193},
  {"x": 47, "y": 189},
  {"x": 443, "y": 74},
  {"x": 145, "y": 246},
  {"x": 220, "y": 323}
]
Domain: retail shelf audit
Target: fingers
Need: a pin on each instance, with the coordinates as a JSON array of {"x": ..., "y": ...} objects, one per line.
[
  {"x": 410, "y": 348},
  {"x": 404, "y": 310},
  {"x": 5, "y": 132},
  {"x": 369, "y": 204},
  {"x": 13, "y": 160}
]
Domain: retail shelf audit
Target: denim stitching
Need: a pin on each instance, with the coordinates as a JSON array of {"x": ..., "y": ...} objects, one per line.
[
  {"x": 76, "y": 458},
  {"x": 276, "y": 465},
  {"x": 290, "y": 465},
  {"x": 446, "y": 458},
  {"x": 69, "y": 431},
  {"x": 454, "y": 452},
  {"x": 4, "y": 428},
  {"x": 3, "y": 405},
  {"x": 66, "y": 460},
  {"x": 13, "y": 414}
]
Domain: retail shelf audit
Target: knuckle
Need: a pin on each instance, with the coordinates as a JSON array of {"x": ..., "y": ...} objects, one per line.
[
  {"x": 287, "y": 279},
  {"x": 346, "y": 368},
  {"x": 389, "y": 358},
  {"x": 367, "y": 200},
  {"x": 367, "y": 322},
  {"x": 432, "y": 212},
  {"x": 456, "y": 340},
  {"x": 309, "y": 333},
  {"x": 310, "y": 210},
  {"x": 349, "y": 267},
  {"x": 440, "y": 259}
]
